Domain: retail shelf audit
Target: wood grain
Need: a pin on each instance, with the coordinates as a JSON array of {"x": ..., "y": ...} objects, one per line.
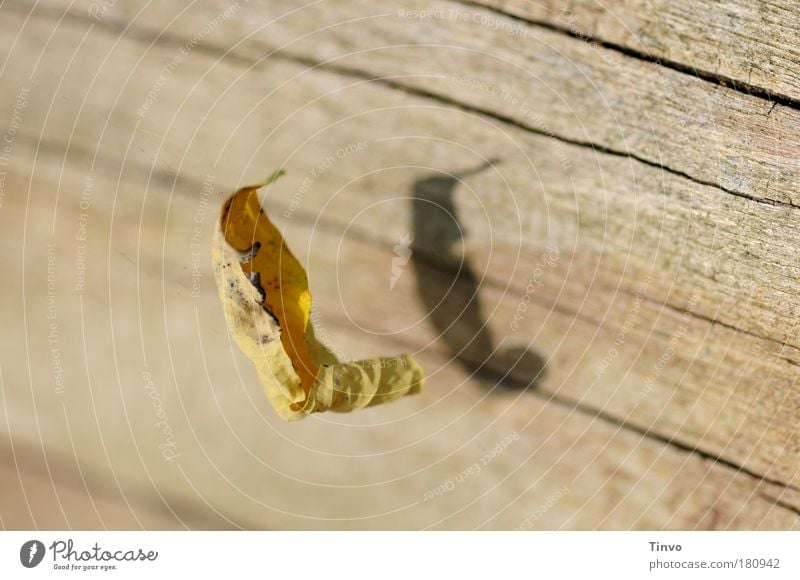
[
  {"x": 46, "y": 492},
  {"x": 532, "y": 76},
  {"x": 237, "y": 456},
  {"x": 689, "y": 424},
  {"x": 723, "y": 41}
]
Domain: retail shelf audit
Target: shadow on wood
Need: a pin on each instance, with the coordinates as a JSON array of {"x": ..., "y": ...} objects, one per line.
[{"x": 448, "y": 288}]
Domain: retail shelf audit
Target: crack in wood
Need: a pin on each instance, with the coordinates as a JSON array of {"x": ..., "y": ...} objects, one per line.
[
  {"x": 704, "y": 75},
  {"x": 781, "y": 503},
  {"x": 165, "y": 39},
  {"x": 415, "y": 91}
]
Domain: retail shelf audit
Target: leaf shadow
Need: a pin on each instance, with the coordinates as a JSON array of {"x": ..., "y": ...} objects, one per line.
[{"x": 448, "y": 289}]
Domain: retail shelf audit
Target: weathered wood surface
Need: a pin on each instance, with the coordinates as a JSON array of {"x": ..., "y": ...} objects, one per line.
[
  {"x": 48, "y": 492},
  {"x": 666, "y": 325},
  {"x": 373, "y": 469},
  {"x": 535, "y": 77},
  {"x": 590, "y": 95},
  {"x": 750, "y": 45}
]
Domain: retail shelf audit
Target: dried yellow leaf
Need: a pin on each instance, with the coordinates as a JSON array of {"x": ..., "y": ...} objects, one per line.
[{"x": 264, "y": 291}]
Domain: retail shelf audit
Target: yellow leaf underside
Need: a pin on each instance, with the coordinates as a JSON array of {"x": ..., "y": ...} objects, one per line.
[{"x": 282, "y": 277}]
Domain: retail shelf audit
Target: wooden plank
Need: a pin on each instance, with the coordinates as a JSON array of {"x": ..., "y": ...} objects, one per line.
[
  {"x": 406, "y": 465},
  {"x": 45, "y": 492},
  {"x": 538, "y": 78},
  {"x": 137, "y": 314},
  {"x": 748, "y": 44},
  {"x": 714, "y": 250}
]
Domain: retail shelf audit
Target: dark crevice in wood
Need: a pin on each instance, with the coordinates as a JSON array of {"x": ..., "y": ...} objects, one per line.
[
  {"x": 781, "y": 503},
  {"x": 444, "y": 100},
  {"x": 166, "y": 39},
  {"x": 713, "y": 78},
  {"x": 713, "y": 321},
  {"x": 668, "y": 441}
]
